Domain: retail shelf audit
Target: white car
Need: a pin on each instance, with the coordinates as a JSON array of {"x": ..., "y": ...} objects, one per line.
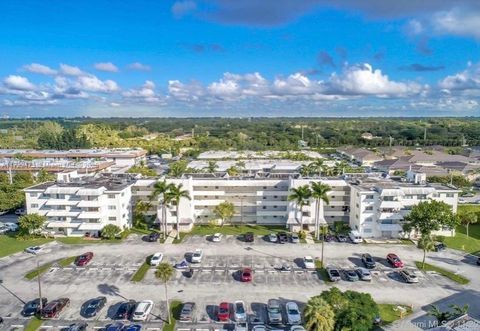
[
  {"x": 293, "y": 313},
  {"x": 142, "y": 310},
  {"x": 11, "y": 226},
  {"x": 308, "y": 262},
  {"x": 240, "y": 312},
  {"x": 409, "y": 276},
  {"x": 259, "y": 328},
  {"x": 297, "y": 328},
  {"x": 197, "y": 256},
  {"x": 156, "y": 259},
  {"x": 217, "y": 237},
  {"x": 33, "y": 249},
  {"x": 20, "y": 212},
  {"x": 4, "y": 229},
  {"x": 272, "y": 237}
]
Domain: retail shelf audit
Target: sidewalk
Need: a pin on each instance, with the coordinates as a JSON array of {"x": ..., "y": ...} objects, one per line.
[
  {"x": 309, "y": 239},
  {"x": 171, "y": 237}
]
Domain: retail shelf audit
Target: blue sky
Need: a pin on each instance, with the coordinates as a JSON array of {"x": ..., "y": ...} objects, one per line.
[{"x": 239, "y": 58}]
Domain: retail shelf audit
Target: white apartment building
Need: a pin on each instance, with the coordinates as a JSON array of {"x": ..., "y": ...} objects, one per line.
[
  {"x": 378, "y": 206},
  {"x": 82, "y": 206}
]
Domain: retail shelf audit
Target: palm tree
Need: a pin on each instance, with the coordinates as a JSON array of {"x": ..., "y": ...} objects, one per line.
[
  {"x": 160, "y": 191},
  {"x": 212, "y": 166},
  {"x": 318, "y": 166},
  {"x": 233, "y": 171},
  {"x": 224, "y": 211},
  {"x": 301, "y": 196},
  {"x": 307, "y": 170},
  {"x": 426, "y": 243},
  {"x": 318, "y": 315},
  {"x": 175, "y": 194},
  {"x": 140, "y": 209},
  {"x": 340, "y": 167},
  {"x": 466, "y": 218},
  {"x": 320, "y": 194},
  {"x": 440, "y": 316},
  {"x": 459, "y": 310},
  {"x": 165, "y": 272}
]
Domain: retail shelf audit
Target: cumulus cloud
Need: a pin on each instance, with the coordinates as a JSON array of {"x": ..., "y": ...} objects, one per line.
[
  {"x": 41, "y": 69},
  {"x": 457, "y": 21},
  {"x": 18, "y": 83},
  {"x": 139, "y": 66},
  {"x": 146, "y": 93},
  {"x": 93, "y": 84},
  {"x": 469, "y": 79},
  {"x": 68, "y": 70},
  {"x": 106, "y": 66}
]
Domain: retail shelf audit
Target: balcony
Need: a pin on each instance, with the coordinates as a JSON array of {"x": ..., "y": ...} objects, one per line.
[
  {"x": 272, "y": 193},
  {"x": 89, "y": 203},
  {"x": 90, "y": 214},
  {"x": 61, "y": 202},
  {"x": 61, "y": 213},
  {"x": 272, "y": 203},
  {"x": 271, "y": 213},
  {"x": 208, "y": 193}
]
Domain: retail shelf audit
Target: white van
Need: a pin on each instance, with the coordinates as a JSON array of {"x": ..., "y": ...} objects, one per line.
[
  {"x": 355, "y": 237},
  {"x": 142, "y": 310}
]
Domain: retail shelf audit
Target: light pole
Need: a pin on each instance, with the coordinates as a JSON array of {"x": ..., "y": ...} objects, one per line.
[{"x": 39, "y": 285}]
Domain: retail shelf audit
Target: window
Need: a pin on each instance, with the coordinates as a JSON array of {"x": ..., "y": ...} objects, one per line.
[
  {"x": 264, "y": 207},
  {"x": 111, "y": 196},
  {"x": 367, "y": 230},
  {"x": 112, "y": 207},
  {"x": 34, "y": 205},
  {"x": 450, "y": 195},
  {"x": 33, "y": 195},
  {"x": 112, "y": 218},
  {"x": 370, "y": 196},
  {"x": 369, "y": 208}
]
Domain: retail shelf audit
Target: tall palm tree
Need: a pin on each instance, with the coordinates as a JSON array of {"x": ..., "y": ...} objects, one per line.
[
  {"x": 175, "y": 194},
  {"x": 160, "y": 192},
  {"x": 426, "y": 243},
  {"x": 212, "y": 167},
  {"x": 307, "y": 170},
  {"x": 140, "y": 209},
  {"x": 301, "y": 196},
  {"x": 318, "y": 166},
  {"x": 318, "y": 315},
  {"x": 165, "y": 272},
  {"x": 320, "y": 194}
]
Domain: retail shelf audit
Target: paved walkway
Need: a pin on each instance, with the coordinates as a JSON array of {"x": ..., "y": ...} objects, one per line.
[
  {"x": 171, "y": 237},
  {"x": 309, "y": 239}
]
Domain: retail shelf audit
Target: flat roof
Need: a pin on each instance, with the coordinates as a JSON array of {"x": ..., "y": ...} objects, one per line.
[
  {"x": 81, "y": 153},
  {"x": 110, "y": 182}
]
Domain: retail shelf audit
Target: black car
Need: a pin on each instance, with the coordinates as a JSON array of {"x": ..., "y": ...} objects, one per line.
[
  {"x": 282, "y": 237},
  {"x": 94, "y": 306},
  {"x": 249, "y": 237},
  {"x": 341, "y": 238},
  {"x": 81, "y": 326},
  {"x": 33, "y": 307},
  {"x": 329, "y": 238},
  {"x": 153, "y": 237},
  {"x": 368, "y": 261},
  {"x": 438, "y": 246},
  {"x": 478, "y": 261},
  {"x": 125, "y": 310}
]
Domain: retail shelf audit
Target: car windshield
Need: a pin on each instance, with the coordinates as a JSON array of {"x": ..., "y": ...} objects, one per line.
[
  {"x": 197, "y": 254},
  {"x": 293, "y": 311},
  {"x": 334, "y": 272},
  {"x": 223, "y": 310},
  {"x": 239, "y": 308},
  {"x": 308, "y": 260},
  {"x": 273, "y": 310}
]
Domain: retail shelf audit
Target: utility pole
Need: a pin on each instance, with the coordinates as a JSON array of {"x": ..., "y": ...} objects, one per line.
[
  {"x": 302, "y": 131},
  {"x": 39, "y": 285},
  {"x": 425, "y": 135}
]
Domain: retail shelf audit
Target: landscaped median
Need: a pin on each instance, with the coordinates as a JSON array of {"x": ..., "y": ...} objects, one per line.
[
  {"x": 142, "y": 271},
  {"x": 389, "y": 313},
  {"x": 47, "y": 266},
  {"x": 446, "y": 273},
  {"x": 10, "y": 244},
  {"x": 34, "y": 324},
  {"x": 175, "y": 309}
]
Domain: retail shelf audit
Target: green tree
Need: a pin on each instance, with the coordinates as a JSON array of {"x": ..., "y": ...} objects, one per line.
[
  {"x": 165, "y": 272},
  {"x": 212, "y": 166},
  {"x": 466, "y": 218},
  {"x": 301, "y": 196},
  {"x": 44, "y": 176},
  {"x": 224, "y": 211},
  {"x": 160, "y": 192},
  {"x": 318, "y": 166},
  {"x": 139, "y": 212},
  {"x": 429, "y": 216},
  {"x": 178, "y": 168},
  {"x": 175, "y": 195},
  {"x": 110, "y": 231},
  {"x": 233, "y": 171},
  {"x": 427, "y": 245},
  {"x": 142, "y": 170},
  {"x": 320, "y": 194},
  {"x": 318, "y": 315},
  {"x": 31, "y": 223}
]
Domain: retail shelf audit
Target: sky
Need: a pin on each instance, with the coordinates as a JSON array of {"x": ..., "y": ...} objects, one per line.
[{"x": 196, "y": 58}]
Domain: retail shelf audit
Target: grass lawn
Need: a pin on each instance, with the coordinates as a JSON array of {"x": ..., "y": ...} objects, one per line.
[
  {"x": 259, "y": 230},
  {"x": 45, "y": 267},
  {"x": 446, "y": 273},
  {"x": 83, "y": 241},
  {"x": 9, "y": 244},
  {"x": 34, "y": 324},
  {"x": 142, "y": 271},
  {"x": 390, "y": 313},
  {"x": 66, "y": 261},
  {"x": 175, "y": 309},
  {"x": 469, "y": 244}
]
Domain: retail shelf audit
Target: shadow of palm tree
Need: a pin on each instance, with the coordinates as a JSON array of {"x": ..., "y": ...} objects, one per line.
[{"x": 111, "y": 290}]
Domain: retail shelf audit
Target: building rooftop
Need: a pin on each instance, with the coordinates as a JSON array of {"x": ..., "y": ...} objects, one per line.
[
  {"x": 376, "y": 183},
  {"x": 108, "y": 181},
  {"x": 219, "y": 155},
  {"x": 83, "y": 153}
]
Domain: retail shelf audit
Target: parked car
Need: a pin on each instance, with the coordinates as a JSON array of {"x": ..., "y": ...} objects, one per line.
[
  {"x": 142, "y": 310},
  {"x": 55, "y": 307},
  {"x": 293, "y": 313},
  {"x": 364, "y": 274},
  {"x": 80, "y": 326},
  {"x": 408, "y": 276},
  {"x": 295, "y": 238},
  {"x": 284, "y": 268},
  {"x": 240, "y": 311},
  {"x": 20, "y": 212},
  {"x": 132, "y": 327},
  {"x": 259, "y": 328},
  {"x": 341, "y": 238},
  {"x": 351, "y": 275},
  {"x": 94, "y": 306},
  {"x": 439, "y": 246},
  {"x": 329, "y": 238},
  {"x": 223, "y": 313},
  {"x": 84, "y": 259},
  {"x": 33, "y": 249},
  {"x": 333, "y": 274},
  {"x": 186, "y": 314},
  {"x": 355, "y": 237},
  {"x": 117, "y": 326},
  {"x": 241, "y": 326},
  {"x": 11, "y": 227},
  {"x": 368, "y": 261},
  {"x": 125, "y": 310},
  {"x": 308, "y": 262},
  {"x": 33, "y": 307},
  {"x": 478, "y": 261},
  {"x": 394, "y": 260},
  {"x": 153, "y": 237},
  {"x": 156, "y": 259},
  {"x": 297, "y": 328},
  {"x": 246, "y": 275},
  {"x": 181, "y": 265},
  {"x": 274, "y": 311},
  {"x": 3, "y": 229},
  {"x": 249, "y": 237},
  {"x": 217, "y": 237},
  {"x": 272, "y": 237},
  {"x": 197, "y": 256},
  {"x": 282, "y": 237}
]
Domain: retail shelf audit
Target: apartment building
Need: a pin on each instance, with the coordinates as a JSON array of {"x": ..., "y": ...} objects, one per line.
[
  {"x": 378, "y": 206},
  {"x": 82, "y": 206}
]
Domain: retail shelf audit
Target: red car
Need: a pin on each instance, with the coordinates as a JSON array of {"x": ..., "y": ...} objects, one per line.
[
  {"x": 394, "y": 260},
  {"x": 55, "y": 307},
  {"x": 223, "y": 312},
  {"x": 83, "y": 259},
  {"x": 246, "y": 275}
]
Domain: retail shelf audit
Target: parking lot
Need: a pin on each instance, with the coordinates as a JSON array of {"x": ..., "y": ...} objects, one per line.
[{"x": 214, "y": 280}]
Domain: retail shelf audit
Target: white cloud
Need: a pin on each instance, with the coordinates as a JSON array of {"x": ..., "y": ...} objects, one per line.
[
  {"x": 70, "y": 70},
  {"x": 469, "y": 79},
  {"x": 41, "y": 69},
  {"x": 139, "y": 66},
  {"x": 460, "y": 22},
  {"x": 19, "y": 83},
  {"x": 93, "y": 84},
  {"x": 146, "y": 93},
  {"x": 106, "y": 66},
  {"x": 185, "y": 92}
]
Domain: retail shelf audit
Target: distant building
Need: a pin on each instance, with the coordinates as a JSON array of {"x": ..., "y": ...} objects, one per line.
[
  {"x": 361, "y": 156},
  {"x": 462, "y": 323}
]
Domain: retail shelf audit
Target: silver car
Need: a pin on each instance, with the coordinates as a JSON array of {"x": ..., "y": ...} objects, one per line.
[
  {"x": 293, "y": 313},
  {"x": 364, "y": 274},
  {"x": 409, "y": 276},
  {"x": 240, "y": 312},
  {"x": 274, "y": 311}
]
